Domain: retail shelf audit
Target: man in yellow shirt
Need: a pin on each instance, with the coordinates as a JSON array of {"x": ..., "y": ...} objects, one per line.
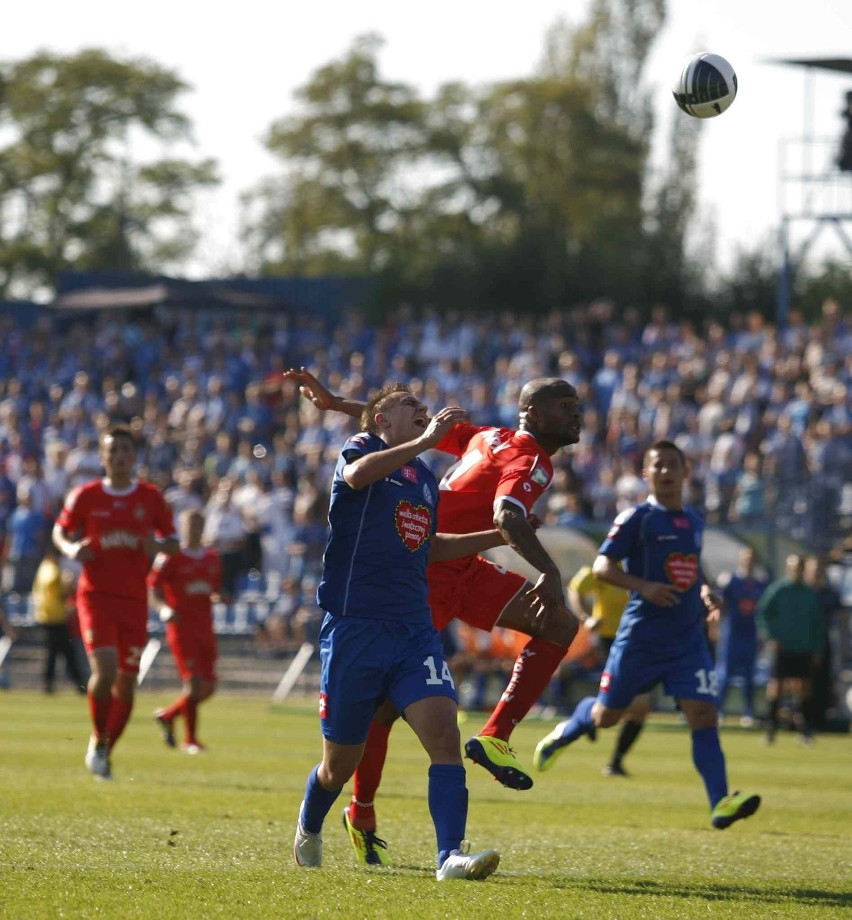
[
  {"x": 50, "y": 601},
  {"x": 603, "y": 604}
]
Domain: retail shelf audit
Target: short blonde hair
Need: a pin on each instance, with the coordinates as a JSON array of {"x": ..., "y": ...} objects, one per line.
[{"x": 378, "y": 402}]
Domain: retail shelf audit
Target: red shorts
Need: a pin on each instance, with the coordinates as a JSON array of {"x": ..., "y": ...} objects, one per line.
[
  {"x": 472, "y": 590},
  {"x": 194, "y": 651},
  {"x": 109, "y": 621}
]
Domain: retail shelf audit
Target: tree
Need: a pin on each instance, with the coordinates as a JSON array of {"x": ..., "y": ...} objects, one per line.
[
  {"x": 71, "y": 194},
  {"x": 544, "y": 187},
  {"x": 752, "y": 282},
  {"x": 349, "y": 161},
  {"x": 830, "y": 280},
  {"x": 528, "y": 195},
  {"x": 557, "y": 164}
]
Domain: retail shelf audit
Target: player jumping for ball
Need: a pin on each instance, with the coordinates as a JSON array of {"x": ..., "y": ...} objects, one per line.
[
  {"x": 377, "y": 639},
  {"x": 500, "y": 475}
]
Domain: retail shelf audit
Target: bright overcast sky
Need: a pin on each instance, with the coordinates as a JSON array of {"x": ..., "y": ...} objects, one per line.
[{"x": 244, "y": 60}]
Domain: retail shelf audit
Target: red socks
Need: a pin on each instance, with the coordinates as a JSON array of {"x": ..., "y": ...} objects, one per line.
[
  {"x": 119, "y": 713},
  {"x": 367, "y": 777},
  {"x": 190, "y": 714},
  {"x": 176, "y": 709},
  {"x": 533, "y": 669},
  {"x": 99, "y": 712},
  {"x": 188, "y": 708}
]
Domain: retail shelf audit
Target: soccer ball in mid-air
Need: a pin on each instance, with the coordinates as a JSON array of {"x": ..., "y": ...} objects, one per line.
[{"x": 706, "y": 85}]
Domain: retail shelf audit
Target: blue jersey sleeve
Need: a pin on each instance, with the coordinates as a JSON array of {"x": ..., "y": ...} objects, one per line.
[
  {"x": 623, "y": 535},
  {"x": 359, "y": 445}
]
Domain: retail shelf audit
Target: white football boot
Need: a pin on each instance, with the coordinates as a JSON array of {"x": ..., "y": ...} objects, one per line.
[
  {"x": 97, "y": 759},
  {"x": 307, "y": 848},
  {"x": 471, "y": 866}
]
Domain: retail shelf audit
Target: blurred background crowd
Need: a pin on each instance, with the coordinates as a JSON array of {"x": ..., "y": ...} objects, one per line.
[{"x": 762, "y": 413}]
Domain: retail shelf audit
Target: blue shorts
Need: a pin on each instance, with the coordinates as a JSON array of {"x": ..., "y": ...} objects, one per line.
[
  {"x": 686, "y": 672},
  {"x": 365, "y": 662}
]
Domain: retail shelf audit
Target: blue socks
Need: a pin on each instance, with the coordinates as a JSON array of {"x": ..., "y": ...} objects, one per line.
[
  {"x": 318, "y": 802},
  {"x": 448, "y": 806},
  {"x": 579, "y": 724},
  {"x": 710, "y": 762}
]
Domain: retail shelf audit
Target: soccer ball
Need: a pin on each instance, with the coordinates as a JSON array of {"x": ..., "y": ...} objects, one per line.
[{"x": 706, "y": 86}]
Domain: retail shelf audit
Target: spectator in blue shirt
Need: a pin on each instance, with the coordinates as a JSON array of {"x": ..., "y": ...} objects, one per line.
[{"x": 27, "y": 532}]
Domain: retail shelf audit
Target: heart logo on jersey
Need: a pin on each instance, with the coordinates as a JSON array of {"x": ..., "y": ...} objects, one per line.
[
  {"x": 682, "y": 570},
  {"x": 413, "y": 524}
]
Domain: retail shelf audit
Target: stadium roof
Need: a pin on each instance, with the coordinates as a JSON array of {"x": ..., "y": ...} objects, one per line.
[
  {"x": 170, "y": 293},
  {"x": 837, "y": 64},
  {"x": 87, "y": 292}
]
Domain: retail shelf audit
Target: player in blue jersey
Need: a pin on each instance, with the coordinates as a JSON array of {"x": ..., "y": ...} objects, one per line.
[
  {"x": 661, "y": 634},
  {"x": 736, "y": 650},
  {"x": 377, "y": 640}
]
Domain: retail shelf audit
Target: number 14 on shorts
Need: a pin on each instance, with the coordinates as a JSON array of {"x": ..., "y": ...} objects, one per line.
[{"x": 433, "y": 679}]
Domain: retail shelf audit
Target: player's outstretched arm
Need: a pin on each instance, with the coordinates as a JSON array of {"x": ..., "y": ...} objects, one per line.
[
  {"x": 320, "y": 396},
  {"x": 447, "y": 546}
]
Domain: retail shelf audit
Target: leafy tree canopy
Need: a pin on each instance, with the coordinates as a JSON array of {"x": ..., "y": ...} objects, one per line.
[{"x": 72, "y": 195}]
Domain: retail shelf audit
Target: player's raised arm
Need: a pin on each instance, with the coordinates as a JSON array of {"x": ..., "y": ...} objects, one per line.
[
  {"x": 322, "y": 397},
  {"x": 375, "y": 466}
]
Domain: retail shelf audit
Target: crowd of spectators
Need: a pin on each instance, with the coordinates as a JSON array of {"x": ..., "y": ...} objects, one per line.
[{"x": 763, "y": 414}]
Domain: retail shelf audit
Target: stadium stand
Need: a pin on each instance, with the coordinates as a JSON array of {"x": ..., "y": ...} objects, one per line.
[{"x": 763, "y": 413}]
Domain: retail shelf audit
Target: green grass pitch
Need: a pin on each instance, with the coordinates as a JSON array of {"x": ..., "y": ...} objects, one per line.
[{"x": 175, "y": 836}]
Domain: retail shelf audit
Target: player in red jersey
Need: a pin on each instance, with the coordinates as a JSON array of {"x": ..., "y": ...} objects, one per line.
[
  {"x": 499, "y": 476},
  {"x": 183, "y": 587},
  {"x": 113, "y": 526}
]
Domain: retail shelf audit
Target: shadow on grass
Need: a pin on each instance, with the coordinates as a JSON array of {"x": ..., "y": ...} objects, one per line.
[{"x": 745, "y": 894}]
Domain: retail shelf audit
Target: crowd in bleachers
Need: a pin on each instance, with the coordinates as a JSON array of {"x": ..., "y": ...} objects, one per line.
[{"x": 762, "y": 412}]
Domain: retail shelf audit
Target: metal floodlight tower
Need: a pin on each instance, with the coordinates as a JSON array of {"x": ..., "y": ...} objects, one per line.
[{"x": 813, "y": 190}]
